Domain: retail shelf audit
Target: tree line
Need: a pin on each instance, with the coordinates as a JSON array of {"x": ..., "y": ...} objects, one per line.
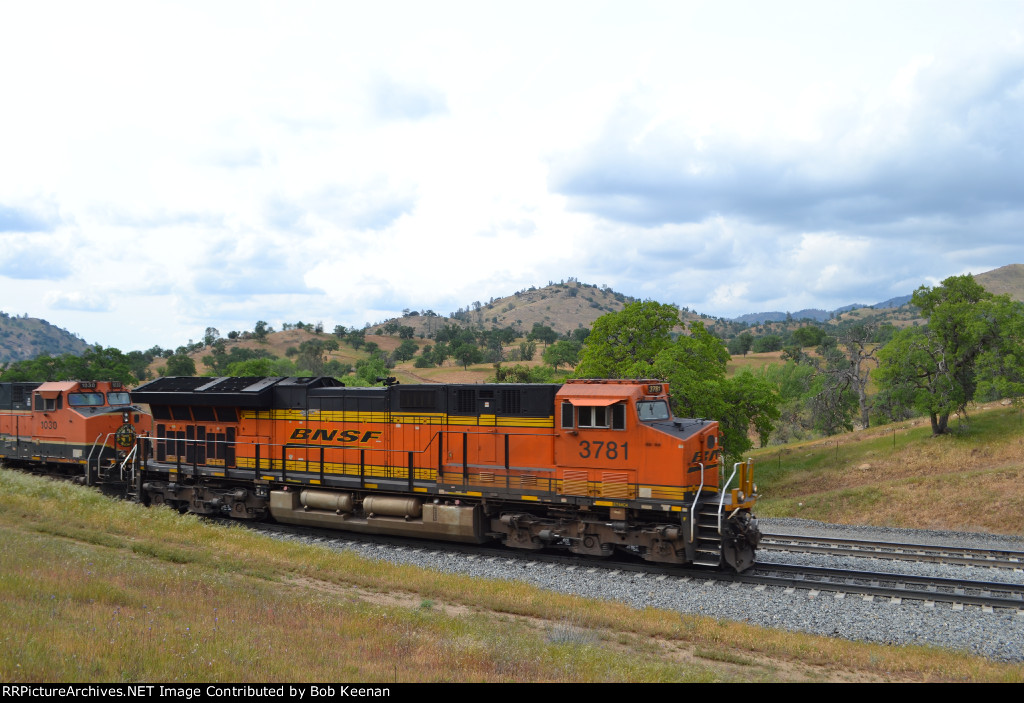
[{"x": 971, "y": 348}]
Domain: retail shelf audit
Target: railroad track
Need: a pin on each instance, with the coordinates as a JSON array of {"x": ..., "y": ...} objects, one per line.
[
  {"x": 840, "y": 583},
  {"x": 839, "y": 546},
  {"x": 869, "y": 585}
]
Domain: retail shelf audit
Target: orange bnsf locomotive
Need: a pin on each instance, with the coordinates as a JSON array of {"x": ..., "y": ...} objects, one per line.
[
  {"x": 81, "y": 428},
  {"x": 591, "y": 465}
]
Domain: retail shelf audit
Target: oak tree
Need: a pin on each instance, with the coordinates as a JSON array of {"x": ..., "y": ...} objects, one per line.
[{"x": 935, "y": 368}]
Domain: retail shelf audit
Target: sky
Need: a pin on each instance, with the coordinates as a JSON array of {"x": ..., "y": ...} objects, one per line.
[{"x": 170, "y": 166}]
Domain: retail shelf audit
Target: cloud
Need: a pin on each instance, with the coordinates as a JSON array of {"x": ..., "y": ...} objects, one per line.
[
  {"x": 250, "y": 265},
  {"x": 241, "y": 157},
  {"x": 935, "y": 145},
  {"x": 284, "y": 214},
  {"x": 77, "y": 300},
  {"x": 31, "y": 257},
  {"x": 392, "y": 100},
  {"x": 22, "y": 219},
  {"x": 155, "y": 218},
  {"x": 374, "y": 205}
]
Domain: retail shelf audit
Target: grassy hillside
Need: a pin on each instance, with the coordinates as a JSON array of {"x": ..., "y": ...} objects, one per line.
[
  {"x": 900, "y": 476},
  {"x": 28, "y": 337},
  {"x": 1006, "y": 280},
  {"x": 561, "y": 306}
]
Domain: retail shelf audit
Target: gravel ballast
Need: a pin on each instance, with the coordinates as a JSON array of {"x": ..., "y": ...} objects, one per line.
[{"x": 998, "y": 634}]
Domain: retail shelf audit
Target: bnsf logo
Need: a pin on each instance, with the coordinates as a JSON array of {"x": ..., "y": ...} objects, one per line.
[
  {"x": 347, "y": 436},
  {"x": 706, "y": 457}
]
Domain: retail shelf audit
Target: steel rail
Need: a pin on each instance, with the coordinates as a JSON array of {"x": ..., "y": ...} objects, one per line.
[
  {"x": 926, "y": 588},
  {"x": 878, "y": 549}
]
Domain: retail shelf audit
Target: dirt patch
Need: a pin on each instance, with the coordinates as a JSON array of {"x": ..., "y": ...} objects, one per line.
[{"x": 729, "y": 664}]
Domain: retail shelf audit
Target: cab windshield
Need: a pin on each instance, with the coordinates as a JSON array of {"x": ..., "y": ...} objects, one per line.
[
  {"x": 649, "y": 410},
  {"x": 118, "y": 398},
  {"x": 80, "y": 399}
]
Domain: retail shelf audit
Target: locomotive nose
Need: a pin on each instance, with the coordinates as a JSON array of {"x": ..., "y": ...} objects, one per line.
[{"x": 125, "y": 435}]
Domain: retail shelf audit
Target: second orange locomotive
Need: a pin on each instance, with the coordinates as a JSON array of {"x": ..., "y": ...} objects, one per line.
[
  {"x": 590, "y": 465},
  {"x": 84, "y": 429}
]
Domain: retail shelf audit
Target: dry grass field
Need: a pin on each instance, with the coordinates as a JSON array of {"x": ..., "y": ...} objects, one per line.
[{"x": 900, "y": 476}]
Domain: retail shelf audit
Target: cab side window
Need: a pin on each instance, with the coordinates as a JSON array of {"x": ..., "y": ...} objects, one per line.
[
  {"x": 595, "y": 416},
  {"x": 619, "y": 416},
  {"x": 567, "y": 416},
  {"x": 48, "y": 404},
  {"x": 592, "y": 416}
]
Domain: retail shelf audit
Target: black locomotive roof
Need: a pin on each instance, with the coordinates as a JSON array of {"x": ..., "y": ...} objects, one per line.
[
  {"x": 521, "y": 399},
  {"x": 237, "y": 391},
  {"x": 326, "y": 393}
]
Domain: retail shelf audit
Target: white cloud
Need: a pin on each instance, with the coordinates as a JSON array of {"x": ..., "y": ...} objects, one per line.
[
  {"x": 220, "y": 164},
  {"x": 76, "y": 300}
]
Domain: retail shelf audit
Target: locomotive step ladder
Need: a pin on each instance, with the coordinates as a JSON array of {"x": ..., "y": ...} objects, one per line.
[{"x": 708, "y": 540}]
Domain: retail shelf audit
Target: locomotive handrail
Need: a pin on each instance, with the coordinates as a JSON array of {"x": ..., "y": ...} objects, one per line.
[
  {"x": 266, "y": 451},
  {"x": 696, "y": 498},
  {"x": 105, "y": 441},
  {"x": 88, "y": 461},
  {"x": 723, "y": 490},
  {"x": 270, "y": 447},
  {"x": 466, "y": 466},
  {"x": 127, "y": 459}
]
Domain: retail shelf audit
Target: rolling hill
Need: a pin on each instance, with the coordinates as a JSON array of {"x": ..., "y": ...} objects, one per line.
[{"x": 28, "y": 337}]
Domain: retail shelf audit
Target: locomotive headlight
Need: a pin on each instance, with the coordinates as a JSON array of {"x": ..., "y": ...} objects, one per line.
[{"x": 124, "y": 416}]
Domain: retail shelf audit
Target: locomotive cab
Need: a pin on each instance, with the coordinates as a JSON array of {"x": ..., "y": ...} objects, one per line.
[
  {"x": 80, "y": 428},
  {"x": 617, "y": 441}
]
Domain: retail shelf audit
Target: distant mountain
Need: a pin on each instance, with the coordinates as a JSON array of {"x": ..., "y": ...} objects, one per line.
[
  {"x": 816, "y": 314},
  {"x": 1006, "y": 280},
  {"x": 757, "y": 318},
  {"x": 28, "y": 337},
  {"x": 896, "y": 302}
]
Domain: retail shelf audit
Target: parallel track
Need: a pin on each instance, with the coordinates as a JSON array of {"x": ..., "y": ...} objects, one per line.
[
  {"x": 959, "y": 592},
  {"x": 838, "y": 546}
]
